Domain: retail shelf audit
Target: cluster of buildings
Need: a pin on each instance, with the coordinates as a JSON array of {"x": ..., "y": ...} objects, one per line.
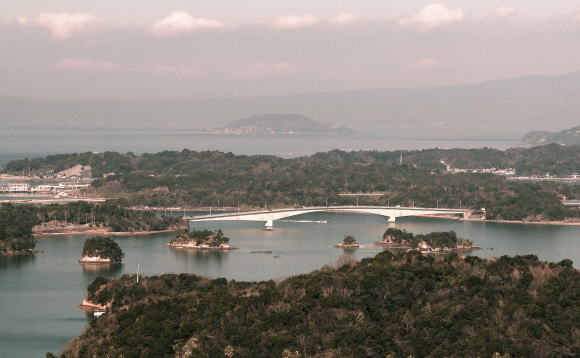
[
  {"x": 43, "y": 188},
  {"x": 509, "y": 172}
]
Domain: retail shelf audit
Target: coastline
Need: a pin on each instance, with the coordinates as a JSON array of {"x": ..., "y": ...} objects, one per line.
[
  {"x": 90, "y": 306},
  {"x": 191, "y": 247},
  {"x": 347, "y": 246},
  {"x": 557, "y": 223},
  {"x": 25, "y": 252},
  {"x": 102, "y": 232}
]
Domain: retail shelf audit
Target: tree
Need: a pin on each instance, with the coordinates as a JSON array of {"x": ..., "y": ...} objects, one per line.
[
  {"x": 349, "y": 240},
  {"x": 103, "y": 247}
]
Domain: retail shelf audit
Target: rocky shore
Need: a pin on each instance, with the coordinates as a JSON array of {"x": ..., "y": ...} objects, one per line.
[
  {"x": 347, "y": 246},
  {"x": 96, "y": 260},
  {"x": 22, "y": 252},
  {"x": 193, "y": 245}
]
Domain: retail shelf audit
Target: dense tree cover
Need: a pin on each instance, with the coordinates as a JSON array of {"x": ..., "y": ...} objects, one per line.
[
  {"x": 103, "y": 247},
  {"x": 525, "y": 202},
  {"x": 101, "y": 163},
  {"x": 206, "y": 178},
  {"x": 553, "y": 158},
  {"x": 349, "y": 240},
  {"x": 393, "y": 305},
  {"x": 208, "y": 237},
  {"x": 441, "y": 240},
  {"x": 16, "y": 223},
  {"x": 111, "y": 213},
  {"x": 398, "y": 236}
]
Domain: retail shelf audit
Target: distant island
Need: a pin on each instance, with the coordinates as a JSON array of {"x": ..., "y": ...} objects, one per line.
[
  {"x": 101, "y": 250},
  {"x": 201, "y": 239},
  {"x": 277, "y": 123},
  {"x": 566, "y": 137}
]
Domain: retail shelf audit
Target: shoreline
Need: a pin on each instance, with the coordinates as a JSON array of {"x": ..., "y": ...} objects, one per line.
[
  {"x": 557, "y": 223},
  {"x": 26, "y": 252},
  {"x": 217, "y": 248},
  {"x": 105, "y": 233},
  {"x": 90, "y": 306}
]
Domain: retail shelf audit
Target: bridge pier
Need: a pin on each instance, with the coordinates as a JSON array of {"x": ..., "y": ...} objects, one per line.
[
  {"x": 269, "y": 225},
  {"x": 392, "y": 219}
]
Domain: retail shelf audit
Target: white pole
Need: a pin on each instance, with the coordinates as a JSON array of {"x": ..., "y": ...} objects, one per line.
[{"x": 137, "y": 271}]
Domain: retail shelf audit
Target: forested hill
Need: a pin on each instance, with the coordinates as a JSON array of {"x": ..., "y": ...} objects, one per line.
[
  {"x": 554, "y": 159},
  {"x": 393, "y": 305},
  {"x": 566, "y": 137},
  {"x": 189, "y": 178}
]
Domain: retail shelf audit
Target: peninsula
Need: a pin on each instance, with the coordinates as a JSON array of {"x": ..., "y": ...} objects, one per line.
[
  {"x": 101, "y": 250},
  {"x": 386, "y": 306}
]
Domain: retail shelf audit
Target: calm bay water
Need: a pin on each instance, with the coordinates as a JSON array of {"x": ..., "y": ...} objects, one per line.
[
  {"x": 39, "y": 294},
  {"x": 16, "y": 144}
]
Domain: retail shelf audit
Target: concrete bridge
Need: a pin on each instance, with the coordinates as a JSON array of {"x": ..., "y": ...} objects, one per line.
[{"x": 390, "y": 212}]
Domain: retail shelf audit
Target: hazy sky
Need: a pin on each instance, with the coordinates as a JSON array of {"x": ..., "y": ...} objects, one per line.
[{"x": 119, "y": 49}]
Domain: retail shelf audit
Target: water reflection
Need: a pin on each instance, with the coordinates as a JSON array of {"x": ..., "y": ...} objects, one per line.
[
  {"x": 15, "y": 261},
  {"x": 349, "y": 251},
  {"x": 91, "y": 270},
  {"x": 201, "y": 257}
]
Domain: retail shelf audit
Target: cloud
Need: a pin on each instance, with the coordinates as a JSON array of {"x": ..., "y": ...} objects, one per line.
[
  {"x": 261, "y": 68},
  {"x": 62, "y": 25},
  {"x": 504, "y": 11},
  {"x": 86, "y": 65},
  {"x": 344, "y": 19},
  {"x": 181, "y": 22},
  {"x": 424, "y": 63},
  {"x": 295, "y": 22},
  {"x": 433, "y": 16},
  {"x": 174, "y": 70},
  {"x": 577, "y": 17}
]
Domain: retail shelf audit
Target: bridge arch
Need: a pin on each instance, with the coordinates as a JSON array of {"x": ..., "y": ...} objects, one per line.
[{"x": 269, "y": 216}]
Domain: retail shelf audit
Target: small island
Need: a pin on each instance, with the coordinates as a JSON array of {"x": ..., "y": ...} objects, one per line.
[
  {"x": 349, "y": 242},
  {"x": 201, "y": 240},
  {"x": 101, "y": 250},
  {"x": 432, "y": 242}
]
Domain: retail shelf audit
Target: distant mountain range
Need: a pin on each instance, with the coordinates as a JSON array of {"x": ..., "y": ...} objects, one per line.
[
  {"x": 277, "y": 123},
  {"x": 504, "y": 109},
  {"x": 566, "y": 137}
]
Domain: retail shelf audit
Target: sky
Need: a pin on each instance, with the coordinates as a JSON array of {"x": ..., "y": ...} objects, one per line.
[{"x": 176, "y": 49}]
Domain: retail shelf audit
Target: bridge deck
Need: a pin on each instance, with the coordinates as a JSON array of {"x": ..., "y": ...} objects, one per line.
[{"x": 277, "y": 214}]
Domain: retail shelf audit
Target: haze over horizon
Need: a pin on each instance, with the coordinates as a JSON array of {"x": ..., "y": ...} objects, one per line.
[
  {"x": 413, "y": 69},
  {"x": 179, "y": 50}
]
